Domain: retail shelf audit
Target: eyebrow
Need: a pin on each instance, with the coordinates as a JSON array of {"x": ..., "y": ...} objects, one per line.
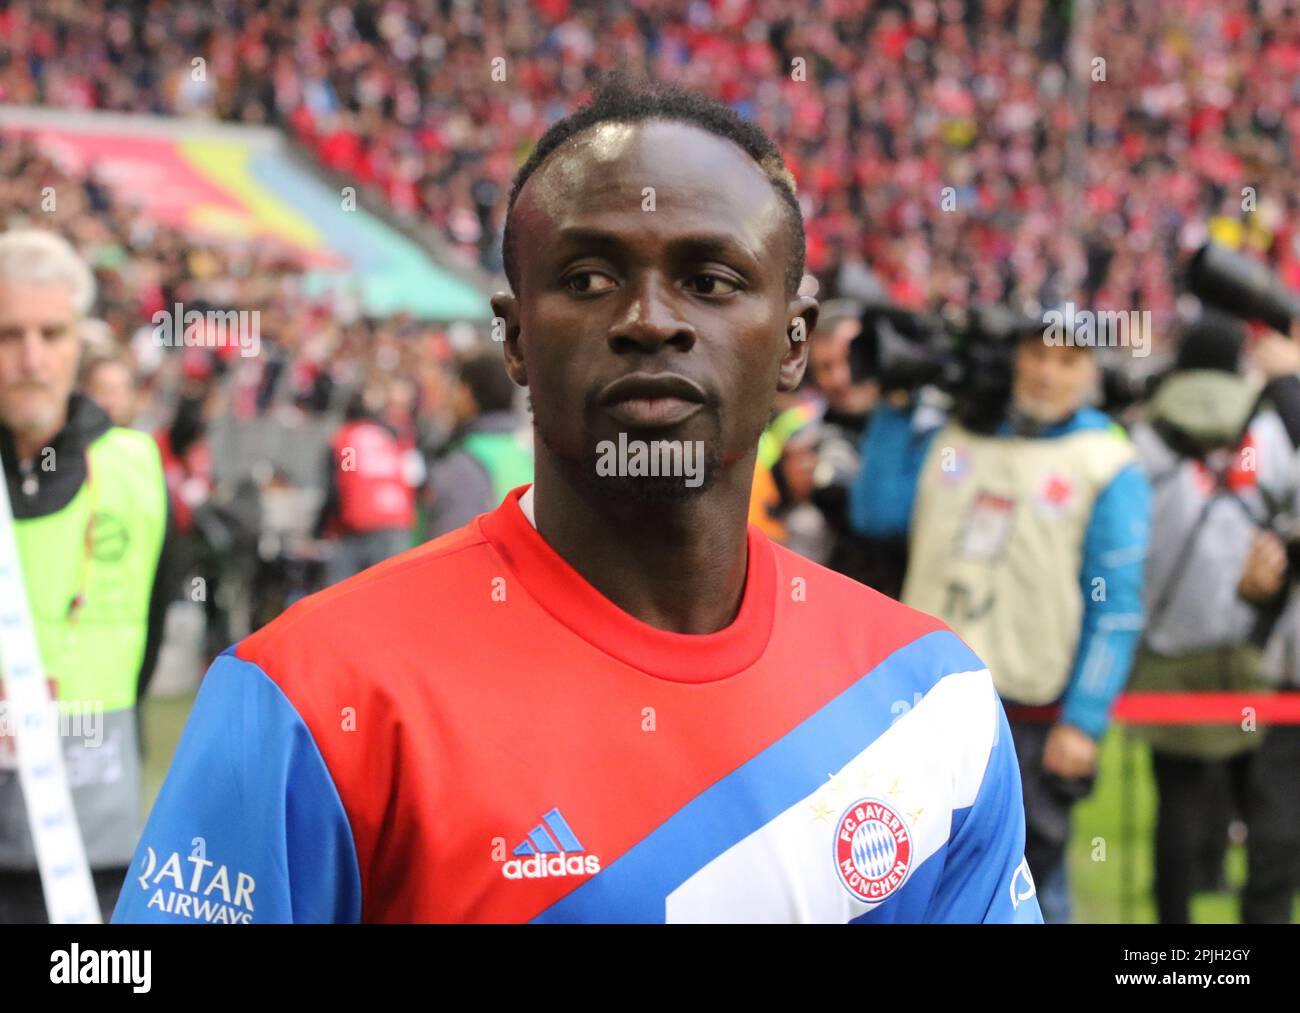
[{"x": 696, "y": 244}]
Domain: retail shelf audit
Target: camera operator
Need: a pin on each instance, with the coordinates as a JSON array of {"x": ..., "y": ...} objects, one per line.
[
  {"x": 1221, "y": 468},
  {"x": 1027, "y": 531}
]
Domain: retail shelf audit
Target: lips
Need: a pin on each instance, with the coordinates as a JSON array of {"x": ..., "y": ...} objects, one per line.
[{"x": 652, "y": 400}]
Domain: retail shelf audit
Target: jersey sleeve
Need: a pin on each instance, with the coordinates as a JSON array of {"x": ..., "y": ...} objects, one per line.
[
  {"x": 985, "y": 875},
  {"x": 249, "y": 826}
]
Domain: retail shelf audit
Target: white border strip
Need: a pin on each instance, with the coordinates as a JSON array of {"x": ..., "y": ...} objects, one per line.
[{"x": 70, "y": 897}]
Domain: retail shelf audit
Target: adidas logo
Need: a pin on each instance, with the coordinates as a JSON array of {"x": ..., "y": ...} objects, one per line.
[{"x": 550, "y": 849}]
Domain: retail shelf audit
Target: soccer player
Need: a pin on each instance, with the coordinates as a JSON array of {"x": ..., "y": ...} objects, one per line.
[{"x": 608, "y": 699}]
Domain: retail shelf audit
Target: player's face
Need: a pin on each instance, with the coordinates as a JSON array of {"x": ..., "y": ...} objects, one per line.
[
  {"x": 652, "y": 295},
  {"x": 39, "y": 348}
]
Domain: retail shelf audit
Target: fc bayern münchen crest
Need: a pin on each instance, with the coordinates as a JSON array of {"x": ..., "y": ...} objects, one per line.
[{"x": 873, "y": 850}]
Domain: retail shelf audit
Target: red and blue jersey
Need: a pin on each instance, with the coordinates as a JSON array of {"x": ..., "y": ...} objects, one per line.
[{"x": 470, "y": 732}]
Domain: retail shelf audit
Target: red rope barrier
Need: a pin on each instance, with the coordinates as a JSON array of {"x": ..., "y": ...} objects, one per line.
[
  {"x": 1185, "y": 709},
  {"x": 1207, "y": 708}
]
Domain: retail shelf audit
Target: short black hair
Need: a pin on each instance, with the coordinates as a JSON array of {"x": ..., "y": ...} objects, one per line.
[{"x": 621, "y": 99}]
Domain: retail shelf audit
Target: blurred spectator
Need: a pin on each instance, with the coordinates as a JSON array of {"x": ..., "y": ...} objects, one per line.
[
  {"x": 1221, "y": 469},
  {"x": 848, "y": 404},
  {"x": 369, "y": 506},
  {"x": 487, "y": 454},
  {"x": 107, "y": 377},
  {"x": 846, "y": 408},
  {"x": 879, "y": 508},
  {"x": 766, "y": 503},
  {"x": 804, "y": 527}
]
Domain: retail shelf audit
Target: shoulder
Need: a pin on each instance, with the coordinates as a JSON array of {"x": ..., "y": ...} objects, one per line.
[
  {"x": 1095, "y": 446},
  {"x": 1151, "y": 449},
  {"x": 912, "y": 650},
  {"x": 359, "y": 632},
  {"x": 128, "y": 464},
  {"x": 1094, "y": 425},
  {"x": 413, "y": 573},
  {"x": 131, "y": 444},
  {"x": 1272, "y": 444},
  {"x": 930, "y": 688}
]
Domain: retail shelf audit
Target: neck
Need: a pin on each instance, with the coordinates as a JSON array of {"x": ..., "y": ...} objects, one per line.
[
  {"x": 677, "y": 566},
  {"x": 1032, "y": 423},
  {"x": 29, "y": 443}
]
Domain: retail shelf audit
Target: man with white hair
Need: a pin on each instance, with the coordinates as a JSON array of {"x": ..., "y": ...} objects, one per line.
[{"x": 91, "y": 516}]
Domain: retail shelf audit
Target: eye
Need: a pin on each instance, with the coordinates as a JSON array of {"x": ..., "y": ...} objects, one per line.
[
  {"x": 713, "y": 284},
  {"x": 587, "y": 282}
]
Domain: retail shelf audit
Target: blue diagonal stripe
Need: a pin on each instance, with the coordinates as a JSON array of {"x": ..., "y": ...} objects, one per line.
[{"x": 633, "y": 888}]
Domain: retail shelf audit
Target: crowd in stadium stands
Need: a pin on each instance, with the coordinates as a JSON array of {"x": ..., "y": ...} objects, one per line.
[
  {"x": 877, "y": 108},
  {"x": 314, "y": 353},
  {"x": 947, "y": 155},
  {"x": 142, "y": 267}
]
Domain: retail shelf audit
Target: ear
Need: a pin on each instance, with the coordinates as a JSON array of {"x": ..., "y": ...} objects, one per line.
[
  {"x": 505, "y": 318},
  {"x": 801, "y": 318}
]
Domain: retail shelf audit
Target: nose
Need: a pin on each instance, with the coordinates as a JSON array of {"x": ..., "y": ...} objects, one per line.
[
  {"x": 31, "y": 348},
  {"x": 650, "y": 319}
]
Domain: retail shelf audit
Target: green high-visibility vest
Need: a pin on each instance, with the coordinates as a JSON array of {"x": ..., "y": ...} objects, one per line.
[
  {"x": 508, "y": 462},
  {"x": 93, "y": 649}
]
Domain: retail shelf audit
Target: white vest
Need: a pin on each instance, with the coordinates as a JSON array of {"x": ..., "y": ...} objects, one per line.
[{"x": 997, "y": 547}]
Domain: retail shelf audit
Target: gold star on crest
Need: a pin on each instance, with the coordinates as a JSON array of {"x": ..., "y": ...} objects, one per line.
[
  {"x": 838, "y": 782},
  {"x": 821, "y": 811},
  {"x": 915, "y": 816}
]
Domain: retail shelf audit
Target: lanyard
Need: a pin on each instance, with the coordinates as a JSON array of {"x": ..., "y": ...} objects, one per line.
[{"x": 60, "y": 853}]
